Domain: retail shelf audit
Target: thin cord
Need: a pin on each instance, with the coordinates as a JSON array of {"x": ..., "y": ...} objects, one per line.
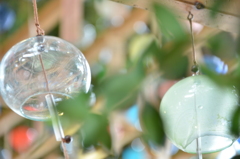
[
  {"x": 39, "y": 30},
  {"x": 47, "y": 86},
  {"x": 64, "y": 150},
  {"x": 190, "y": 17}
]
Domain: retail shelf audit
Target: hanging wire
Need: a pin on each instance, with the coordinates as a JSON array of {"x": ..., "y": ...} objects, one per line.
[
  {"x": 195, "y": 71},
  {"x": 195, "y": 66},
  {"x": 39, "y": 30}
]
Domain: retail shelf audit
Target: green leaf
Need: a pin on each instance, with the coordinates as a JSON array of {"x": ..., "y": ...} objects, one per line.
[
  {"x": 235, "y": 127},
  {"x": 152, "y": 125},
  {"x": 151, "y": 49},
  {"x": 174, "y": 67},
  {"x": 222, "y": 80},
  {"x": 221, "y": 44},
  {"x": 168, "y": 23},
  {"x": 172, "y": 63},
  {"x": 95, "y": 130},
  {"x": 121, "y": 91},
  {"x": 99, "y": 71},
  {"x": 77, "y": 108}
]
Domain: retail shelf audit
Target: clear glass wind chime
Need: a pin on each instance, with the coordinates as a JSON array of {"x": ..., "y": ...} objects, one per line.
[
  {"x": 40, "y": 71},
  {"x": 196, "y": 112}
]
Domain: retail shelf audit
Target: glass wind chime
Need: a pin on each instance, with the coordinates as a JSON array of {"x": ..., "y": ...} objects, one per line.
[
  {"x": 40, "y": 71},
  {"x": 196, "y": 112}
]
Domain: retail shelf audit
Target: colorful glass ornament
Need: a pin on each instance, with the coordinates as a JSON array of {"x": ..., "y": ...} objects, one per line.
[{"x": 198, "y": 112}]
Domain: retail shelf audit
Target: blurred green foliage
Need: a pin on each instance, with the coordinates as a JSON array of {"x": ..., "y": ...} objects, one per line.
[
  {"x": 95, "y": 130},
  {"x": 217, "y": 5},
  {"x": 121, "y": 90},
  {"x": 152, "y": 125},
  {"x": 222, "y": 45},
  {"x": 168, "y": 24}
]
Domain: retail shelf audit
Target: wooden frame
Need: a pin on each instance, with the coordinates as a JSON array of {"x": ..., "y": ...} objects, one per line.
[{"x": 227, "y": 17}]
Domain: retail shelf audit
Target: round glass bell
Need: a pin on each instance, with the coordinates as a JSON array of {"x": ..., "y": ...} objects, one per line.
[
  {"x": 39, "y": 66},
  {"x": 197, "y": 110}
]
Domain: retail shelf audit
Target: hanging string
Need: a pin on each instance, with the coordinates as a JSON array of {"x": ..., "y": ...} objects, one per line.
[
  {"x": 195, "y": 71},
  {"x": 195, "y": 66},
  {"x": 66, "y": 155},
  {"x": 39, "y": 30}
]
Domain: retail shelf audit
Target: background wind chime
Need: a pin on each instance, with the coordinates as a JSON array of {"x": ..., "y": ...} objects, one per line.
[{"x": 197, "y": 113}]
